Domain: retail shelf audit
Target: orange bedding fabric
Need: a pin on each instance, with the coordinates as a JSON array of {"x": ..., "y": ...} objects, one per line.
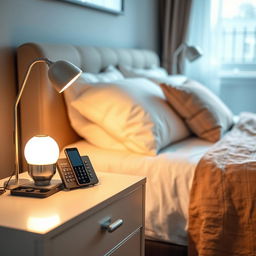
[{"x": 222, "y": 210}]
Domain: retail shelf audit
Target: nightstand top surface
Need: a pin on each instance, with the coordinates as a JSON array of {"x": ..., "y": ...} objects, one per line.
[{"x": 41, "y": 216}]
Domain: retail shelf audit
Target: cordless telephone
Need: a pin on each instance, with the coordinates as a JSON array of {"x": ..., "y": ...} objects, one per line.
[{"x": 75, "y": 170}]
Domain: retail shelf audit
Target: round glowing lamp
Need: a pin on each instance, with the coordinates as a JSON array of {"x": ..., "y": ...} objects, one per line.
[{"x": 41, "y": 153}]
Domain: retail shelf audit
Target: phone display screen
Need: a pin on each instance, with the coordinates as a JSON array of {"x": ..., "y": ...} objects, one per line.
[{"x": 74, "y": 157}]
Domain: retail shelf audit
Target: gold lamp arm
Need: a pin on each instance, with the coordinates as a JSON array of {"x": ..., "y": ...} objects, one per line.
[{"x": 16, "y": 128}]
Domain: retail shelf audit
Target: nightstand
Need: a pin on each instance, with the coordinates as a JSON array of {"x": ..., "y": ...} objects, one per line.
[{"x": 106, "y": 219}]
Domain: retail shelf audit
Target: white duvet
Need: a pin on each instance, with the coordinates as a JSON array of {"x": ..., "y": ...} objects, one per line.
[{"x": 169, "y": 178}]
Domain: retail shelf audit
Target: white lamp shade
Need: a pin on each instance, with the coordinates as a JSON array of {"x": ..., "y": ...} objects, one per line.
[
  {"x": 41, "y": 150},
  {"x": 62, "y": 74}
]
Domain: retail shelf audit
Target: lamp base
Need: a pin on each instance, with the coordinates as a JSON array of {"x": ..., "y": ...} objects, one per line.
[
  {"x": 41, "y": 174},
  {"x": 32, "y": 190},
  {"x": 53, "y": 183}
]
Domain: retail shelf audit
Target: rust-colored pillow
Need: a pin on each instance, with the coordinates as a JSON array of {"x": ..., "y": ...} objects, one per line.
[{"x": 206, "y": 115}]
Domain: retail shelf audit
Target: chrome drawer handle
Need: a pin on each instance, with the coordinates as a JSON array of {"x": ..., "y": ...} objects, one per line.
[{"x": 111, "y": 227}]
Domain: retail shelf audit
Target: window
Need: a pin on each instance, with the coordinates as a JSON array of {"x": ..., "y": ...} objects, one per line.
[{"x": 238, "y": 34}]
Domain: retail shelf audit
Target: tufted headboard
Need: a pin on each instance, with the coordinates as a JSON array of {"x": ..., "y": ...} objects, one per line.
[{"x": 42, "y": 109}]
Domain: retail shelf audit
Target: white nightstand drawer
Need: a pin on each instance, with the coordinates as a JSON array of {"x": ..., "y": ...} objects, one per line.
[
  {"x": 88, "y": 238},
  {"x": 131, "y": 247}
]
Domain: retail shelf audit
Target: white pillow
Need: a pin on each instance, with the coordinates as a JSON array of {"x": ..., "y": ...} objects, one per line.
[
  {"x": 141, "y": 72},
  {"x": 171, "y": 79},
  {"x": 85, "y": 128},
  {"x": 109, "y": 74},
  {"x": 135, "y": 112},
  {"x": 87, "y": 80}
]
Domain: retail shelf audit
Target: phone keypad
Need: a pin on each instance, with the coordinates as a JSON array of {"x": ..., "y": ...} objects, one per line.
[
  {"x": 88, "y": 168},
  {"x": 68, "y": 174},
  {"x": 82, "y": 176}
]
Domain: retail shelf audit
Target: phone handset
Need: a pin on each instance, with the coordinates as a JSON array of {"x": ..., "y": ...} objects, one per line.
[{"x": 76, "y": 171}]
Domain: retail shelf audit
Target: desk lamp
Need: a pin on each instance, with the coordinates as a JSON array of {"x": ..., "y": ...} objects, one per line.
[
  {"x": 62, "y": 74},
  {"x": 190, "y": 52}
]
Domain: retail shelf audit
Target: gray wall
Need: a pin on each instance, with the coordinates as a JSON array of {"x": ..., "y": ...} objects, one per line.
[{"x": 54, "y": 21}]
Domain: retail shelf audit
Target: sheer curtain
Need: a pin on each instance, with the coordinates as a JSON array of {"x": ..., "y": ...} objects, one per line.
[{"x": 204, "y": 32}]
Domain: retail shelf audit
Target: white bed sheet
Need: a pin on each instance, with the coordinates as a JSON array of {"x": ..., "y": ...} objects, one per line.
[{"x": 169, "y": 179}]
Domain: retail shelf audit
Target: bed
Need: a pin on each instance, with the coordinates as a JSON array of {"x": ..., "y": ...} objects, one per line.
[{"x": 168, "y": 163}]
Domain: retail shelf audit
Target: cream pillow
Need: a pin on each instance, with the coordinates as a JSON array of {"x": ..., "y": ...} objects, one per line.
[
  {"x": 206, "y": 115},
  {"x": 85, "y": 128},
  {"x": 142, "y": 72},
  {"x": 109, "y": 74},
  {"x": 170, "y": 79},
  {"x": 134, "y": 112}
]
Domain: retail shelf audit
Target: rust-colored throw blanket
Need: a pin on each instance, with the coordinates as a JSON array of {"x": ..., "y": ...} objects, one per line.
[{"x": 222, "y": 210}]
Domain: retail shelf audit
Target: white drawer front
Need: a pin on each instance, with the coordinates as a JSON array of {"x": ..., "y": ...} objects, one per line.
[
  {"x": 88, "y": 238},
  {"x": 131, "y": 247}
]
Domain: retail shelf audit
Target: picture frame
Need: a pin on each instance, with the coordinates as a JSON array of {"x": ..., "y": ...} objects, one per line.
[{"x": 111, "y": 6}]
